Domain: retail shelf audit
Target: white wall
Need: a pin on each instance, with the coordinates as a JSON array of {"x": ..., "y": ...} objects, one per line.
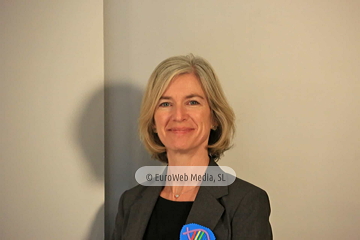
[
  {"x": 52, "y": 120},
  {"x": 290, "y": 71}
]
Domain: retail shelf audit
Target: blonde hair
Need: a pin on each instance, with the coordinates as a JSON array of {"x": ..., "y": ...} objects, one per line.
[{"x": 221, "y": 138}]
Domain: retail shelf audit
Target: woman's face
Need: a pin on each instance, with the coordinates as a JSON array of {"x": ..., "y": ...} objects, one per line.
[{"x": 183, "y": 117}]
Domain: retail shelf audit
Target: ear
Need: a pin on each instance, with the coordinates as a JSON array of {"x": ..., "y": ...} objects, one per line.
[
  {"x": 214, "y": 122},
  {"x": 153, "y": 126}
]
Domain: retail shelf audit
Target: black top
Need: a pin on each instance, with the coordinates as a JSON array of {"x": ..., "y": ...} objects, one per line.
[{"x": 167, "y": 219}]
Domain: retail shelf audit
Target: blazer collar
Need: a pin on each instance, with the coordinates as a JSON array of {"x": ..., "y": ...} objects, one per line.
[
  {"x": 140, "y": 213},
  {"x": 206, "y": 209}
]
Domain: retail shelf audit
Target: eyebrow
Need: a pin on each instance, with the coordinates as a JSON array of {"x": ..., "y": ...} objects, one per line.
[{"x": 187, "y": 97}]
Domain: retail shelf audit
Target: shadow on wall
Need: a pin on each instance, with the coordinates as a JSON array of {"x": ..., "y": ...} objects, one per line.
[
  {"x": 90, "y": 129},
  {"x": 90, "y": 137},
  {"x": 96, "y": 231},
  {"x": 124, "y": 153}
]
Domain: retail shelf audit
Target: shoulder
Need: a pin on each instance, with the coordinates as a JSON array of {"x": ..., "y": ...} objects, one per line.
[
  {"x": 248, "y": 207},
  {"x": 129, "y": 196},
  {"x": 241, "y": 188},
  {"x": 244, "y": 195}
]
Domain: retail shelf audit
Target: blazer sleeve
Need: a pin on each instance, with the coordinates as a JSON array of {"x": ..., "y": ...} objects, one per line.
[
  {"x": 251, "y": 219},
  {"x": 119, "y": 222}
]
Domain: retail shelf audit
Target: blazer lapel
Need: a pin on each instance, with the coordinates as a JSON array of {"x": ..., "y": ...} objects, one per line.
[
  {"x": 206, "y": 209},
  {"x": 140, "y": 213}
]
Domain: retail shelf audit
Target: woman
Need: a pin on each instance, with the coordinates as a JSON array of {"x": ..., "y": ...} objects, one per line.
[{"x": 185, "y": 120}]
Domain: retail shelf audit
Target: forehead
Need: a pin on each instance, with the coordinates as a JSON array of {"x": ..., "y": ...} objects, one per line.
[{"x": 184, "y": 84}]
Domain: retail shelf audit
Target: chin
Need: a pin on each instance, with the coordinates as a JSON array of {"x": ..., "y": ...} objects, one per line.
[{"x": 181, "y": 149}]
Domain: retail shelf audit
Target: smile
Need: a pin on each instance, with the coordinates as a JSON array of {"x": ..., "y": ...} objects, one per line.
[{"x": 181, "y": 130}]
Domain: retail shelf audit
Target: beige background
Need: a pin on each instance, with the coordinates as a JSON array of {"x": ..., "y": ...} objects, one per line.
[
  {"x": 52, "y": 120},
  {"x": 290, "y": 69}
]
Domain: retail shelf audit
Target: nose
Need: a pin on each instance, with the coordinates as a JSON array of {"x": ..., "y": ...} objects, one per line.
[{"x": 179, "y": 113}]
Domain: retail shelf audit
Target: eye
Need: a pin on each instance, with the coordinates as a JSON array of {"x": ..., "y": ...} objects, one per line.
[
  {"x": 164, "y": 104},
  {"x": 193, "y": 102}
]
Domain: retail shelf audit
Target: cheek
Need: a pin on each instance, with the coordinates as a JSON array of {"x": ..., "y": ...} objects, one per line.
[
  {"x": 160, "y": 119},
  {"x": 205, "y": 118}
]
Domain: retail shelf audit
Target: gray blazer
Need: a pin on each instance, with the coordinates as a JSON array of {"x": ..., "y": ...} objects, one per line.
[{"x": 239, "y": 211}]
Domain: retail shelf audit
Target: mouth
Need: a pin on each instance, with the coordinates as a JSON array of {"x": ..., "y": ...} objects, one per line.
[{"x": 180, "y": 130}]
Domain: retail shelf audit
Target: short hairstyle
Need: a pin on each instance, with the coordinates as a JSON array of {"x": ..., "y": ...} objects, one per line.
[{"x": 220, "y": 139}]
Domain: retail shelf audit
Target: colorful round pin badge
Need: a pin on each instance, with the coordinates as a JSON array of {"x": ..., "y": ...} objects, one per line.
[{"x": 193, "y": 231}]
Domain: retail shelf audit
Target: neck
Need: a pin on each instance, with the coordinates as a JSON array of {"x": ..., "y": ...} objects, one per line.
[{"x": 188, "y": 159}]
